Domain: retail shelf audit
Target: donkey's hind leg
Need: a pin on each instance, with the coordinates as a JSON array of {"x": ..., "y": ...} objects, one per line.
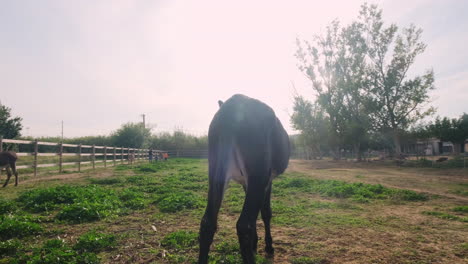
[
  {"x": 7, "y": 168},
  {"x": 13, "y": 168},
  {"x": 266, "y": 217},
  {"x": 209, "y": 221}
]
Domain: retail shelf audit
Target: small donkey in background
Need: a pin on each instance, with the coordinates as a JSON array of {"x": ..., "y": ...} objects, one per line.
[{"x": 8, "y": 161}]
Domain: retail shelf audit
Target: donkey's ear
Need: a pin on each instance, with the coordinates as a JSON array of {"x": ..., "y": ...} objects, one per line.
[{"x": 220, "y": 103}]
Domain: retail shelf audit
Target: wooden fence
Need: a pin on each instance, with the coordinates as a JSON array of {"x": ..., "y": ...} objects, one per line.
[{"x": 102, "y": 155}]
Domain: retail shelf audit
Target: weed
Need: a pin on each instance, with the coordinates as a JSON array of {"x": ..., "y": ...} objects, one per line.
[
  {"x": 180, "y": 240},
  {"x": 94, "y": 242}
]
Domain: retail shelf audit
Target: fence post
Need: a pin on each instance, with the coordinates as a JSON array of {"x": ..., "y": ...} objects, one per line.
[
  {"x": 36, "y": 149},
  {"x": 121, "y": 156},
  {"x": 114, "y": 156},
  {"x": 1, "y": 144},
  {"x": 128, "y": 155},
  {"x": 94, "y": 157},
  {"x": 60, "y": 157},
  {"x": 79, "y": 157},
  {"x": 105, "y": 156}
]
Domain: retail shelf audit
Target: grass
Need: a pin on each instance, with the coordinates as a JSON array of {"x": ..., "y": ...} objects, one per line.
[{"x": 150, "y": 213}]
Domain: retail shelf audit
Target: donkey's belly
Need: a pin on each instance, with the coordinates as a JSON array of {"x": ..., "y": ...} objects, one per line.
[{"x": 236, "y": 169}]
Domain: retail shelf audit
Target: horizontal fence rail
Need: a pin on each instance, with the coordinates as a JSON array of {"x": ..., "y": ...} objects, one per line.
[{"x": 76, "y": 155}]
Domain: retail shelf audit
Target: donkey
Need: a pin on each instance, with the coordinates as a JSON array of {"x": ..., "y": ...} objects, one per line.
[
  {"x": 246, "y": 143},
  {"x": 7, "y": 161}
]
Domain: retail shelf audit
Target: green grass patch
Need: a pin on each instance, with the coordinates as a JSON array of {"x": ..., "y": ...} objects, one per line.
[
  {"x": 7, "y": 206},
  {"x": 446, "y": 216},
  {"x": 10, "y": 247},
  {"x": 178, "y": 201},
  {"x": 95, "y": 242},
  {"x": 18, "y": 227},
  {"x": 308, "y": 260},
  {"x": 56, "y": 251},
  {"x": 105, "y": 181},
  {"x": 180, "y": 240},
  {"x": 85, "y": 211},
  {"x": 359, "y": 192},
  {"x": 462, "y": 209}
]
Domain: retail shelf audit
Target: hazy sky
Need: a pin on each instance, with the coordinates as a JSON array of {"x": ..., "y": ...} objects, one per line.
[{"x": 98, "y": 64}]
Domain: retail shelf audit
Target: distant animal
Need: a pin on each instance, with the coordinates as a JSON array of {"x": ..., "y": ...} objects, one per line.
[
  {"x": 8, "y": 162},
  {"x": 246, "y": 143}
]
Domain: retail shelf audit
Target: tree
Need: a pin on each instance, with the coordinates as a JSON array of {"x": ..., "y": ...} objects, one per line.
[
  {"x": 398, "y": 100},
  {"x": 10, "y": 127},
  {"x": 131, "y": 135},
  {"x": 453, "y": 130}
]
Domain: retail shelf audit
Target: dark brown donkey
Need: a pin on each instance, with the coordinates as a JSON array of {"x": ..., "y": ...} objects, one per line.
[
  {"x": 248, "y": 144},
  {"x": 8, "y": 161}
]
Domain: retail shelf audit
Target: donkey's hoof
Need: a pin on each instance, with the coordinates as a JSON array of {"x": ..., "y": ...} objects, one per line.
[{"x": 270, "y": 250}]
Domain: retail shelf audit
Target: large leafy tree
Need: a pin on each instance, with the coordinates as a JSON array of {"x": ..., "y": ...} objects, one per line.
[
  {"x": 318, "y": 60},
  {"x": 10, "y": 127},
  {"x": 398, "y": 100},
  {"x": 336, "y": 65}
]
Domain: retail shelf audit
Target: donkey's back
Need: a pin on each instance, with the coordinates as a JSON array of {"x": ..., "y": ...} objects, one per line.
[{"x": 7, "y": 157}]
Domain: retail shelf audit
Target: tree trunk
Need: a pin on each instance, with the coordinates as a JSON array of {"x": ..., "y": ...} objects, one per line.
[
  {"x": 357, "y": 150},
  {"x": 396, "y": 143}
]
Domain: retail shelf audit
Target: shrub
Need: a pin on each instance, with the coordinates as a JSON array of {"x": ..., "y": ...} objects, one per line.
[
  {"x": 180, "y": 240},
  {"x": 94, "y": 242},
  {"x": 14, "y": 226}
]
